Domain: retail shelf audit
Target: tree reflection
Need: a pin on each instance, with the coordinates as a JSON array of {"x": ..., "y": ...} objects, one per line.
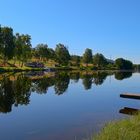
[
  {"x": 40, "y": 85},
  {"x": 61, "y": 83},
  {"x": 123, "y": 75},
  {"x": 99, "y": 77},
  {"x": 75, "y": 76},
  {"x": 21, "y": 88},
  {"x": 16, "y": 89},
  {"x": 87, "y": 81},
  {"x": 6, "y": 95}
]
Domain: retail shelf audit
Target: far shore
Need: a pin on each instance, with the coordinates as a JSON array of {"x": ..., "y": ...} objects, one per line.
[{"x": 26, "y": 69}]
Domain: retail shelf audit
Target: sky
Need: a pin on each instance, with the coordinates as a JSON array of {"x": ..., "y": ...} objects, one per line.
[{"x": 110, "y": 27}]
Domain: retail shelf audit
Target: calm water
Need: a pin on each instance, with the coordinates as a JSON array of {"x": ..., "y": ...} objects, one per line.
[{"x": 62, "y": 106}]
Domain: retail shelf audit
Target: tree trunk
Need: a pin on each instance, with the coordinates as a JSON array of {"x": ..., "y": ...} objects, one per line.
[
  {"x": 22, "y": 64},
  {"x": 14, "y": 61},
  {"x": 4, "y": 60},
  {"x": 19, "y": 63}
]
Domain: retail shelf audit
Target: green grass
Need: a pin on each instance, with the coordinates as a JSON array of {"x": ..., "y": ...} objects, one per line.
[
  {"x": 127, "y": 129},
  {"x": 15, "y": 69}
]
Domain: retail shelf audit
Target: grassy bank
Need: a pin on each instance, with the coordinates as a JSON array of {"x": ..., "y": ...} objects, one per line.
[
  {"x": 20, "y": 69},
  {"x": 14, "y": 69},
  {"x": 127, "y": 129},
  {"x": 11, "y": 66}
]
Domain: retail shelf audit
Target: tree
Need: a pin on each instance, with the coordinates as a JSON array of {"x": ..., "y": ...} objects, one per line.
[
  {"x": 26, "y": 48},
  {"x": 18, "y": 47},
  {"x": 42, "y": 51},
  {"x": 23, "y": 47},
  {"x": 52, "y": 54},
  {"x": 99, "y": 60},
  {"x": 34, "y": 53},
  {"x": 87, "y": 56},
  {"x": 6, "y": 43},
  {"x": 122, "y": 75},
  {"x": 123, "y": 64},
  {"x": 119, "y": 63},
  {"x": 62, "y": 54},
  {"x": 0, "y": 38},
  {"x": 75, "y": 59}
]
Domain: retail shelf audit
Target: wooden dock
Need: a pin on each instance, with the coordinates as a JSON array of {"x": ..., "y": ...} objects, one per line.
[{"x": 130, "y": 96}]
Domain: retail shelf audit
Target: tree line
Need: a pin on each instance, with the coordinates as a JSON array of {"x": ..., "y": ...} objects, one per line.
[{"x": 18, "y": 47}]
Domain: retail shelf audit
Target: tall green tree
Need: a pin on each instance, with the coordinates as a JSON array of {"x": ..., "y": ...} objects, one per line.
[
  {"x": 6, "y": 43},
  {"x": 52, "y": 54},
  {"x": 23, "y": 47},
  {"x": 87, "y": 56},
  {"x": 0, "y": 38},
  {"x": 123, "y": 64},
  {"x": 75, "y": 60},
  {"x": 26, "y": 48},
  {"x": 99, "y": 60},
  {"x": 42, "y": 51},
  {"x": 62, "y": 54},
  {"x": 18, "y": 48},
  {"x": 0, "y": 41}
]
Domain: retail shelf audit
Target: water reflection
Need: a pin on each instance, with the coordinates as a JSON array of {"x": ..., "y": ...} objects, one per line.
[
  {"x": 100, "y": 77},
  {"x": 129, "y": 111},
  {"x": 15, "y": 89},
  {"x": 41, "y": 86},
  {"x": 87, "y": 80},
  {"x": 122, "y": 75},
  {"x": 61, "y": 83},
  {"x": 75, "y": 76}
]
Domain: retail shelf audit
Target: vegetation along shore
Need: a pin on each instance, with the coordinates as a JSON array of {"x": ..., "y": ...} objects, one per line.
[
  {"x": 127, "y": 129},
  {"x": 16, "y": 51}
]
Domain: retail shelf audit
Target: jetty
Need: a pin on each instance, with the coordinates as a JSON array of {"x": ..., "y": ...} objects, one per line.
[{"x": 130, "y": 96}]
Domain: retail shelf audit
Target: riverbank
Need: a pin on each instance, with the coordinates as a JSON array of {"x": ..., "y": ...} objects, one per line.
[
  {"x": 21, "y": 69},
  {"x": 15, "y": 69},
  {"x": 127, "y": 129}
]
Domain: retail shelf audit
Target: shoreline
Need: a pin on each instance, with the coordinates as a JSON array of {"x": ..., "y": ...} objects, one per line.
[
  {"x": 123, "y": 129},
  {"x": 26, "y": 69}
]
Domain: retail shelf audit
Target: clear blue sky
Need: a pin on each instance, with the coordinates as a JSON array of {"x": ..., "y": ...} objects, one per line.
[{"x": 111, "y": 27}]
